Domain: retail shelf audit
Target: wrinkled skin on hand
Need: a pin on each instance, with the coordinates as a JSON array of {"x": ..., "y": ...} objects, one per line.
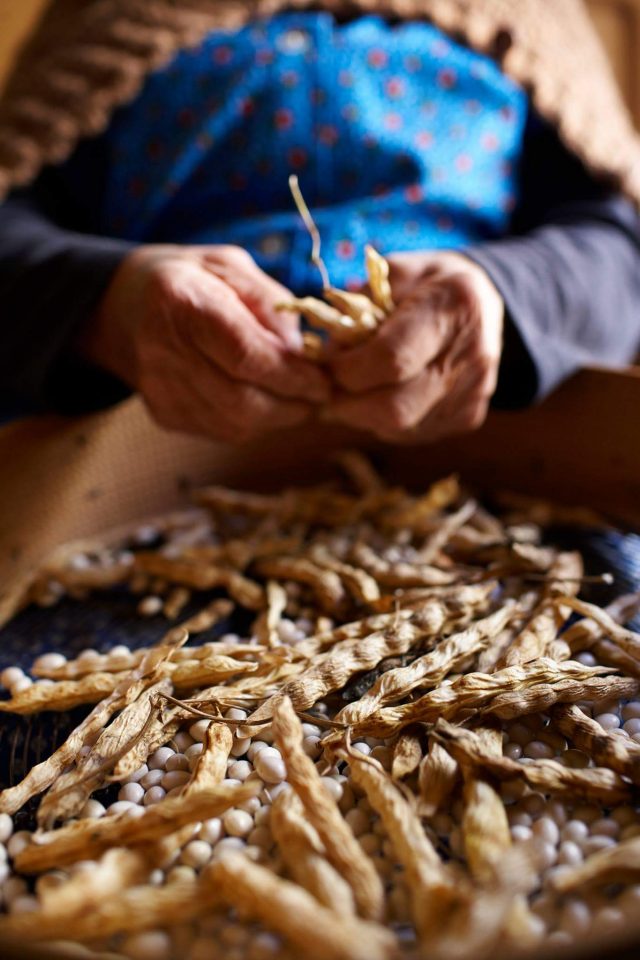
[
  {"x": 195, "y": 331},
  {"x": 431, "y": 368}
]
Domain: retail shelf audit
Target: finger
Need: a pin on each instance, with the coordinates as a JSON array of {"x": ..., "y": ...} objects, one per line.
[
  {"x": 209, "y": 403},
  {"x": 406, "y": 269},
  {"x": 225, "y": 331},
  {"x": 391, "y": 410},
  {"x": 258, "y": 291},
  {"x": 406, "y": 342}
]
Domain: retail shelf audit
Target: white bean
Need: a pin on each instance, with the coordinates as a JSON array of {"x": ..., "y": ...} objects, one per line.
[
  {"x": 239, "y": 770},
  {"x": 609, "y": 920},
  {"x": 18, "y": 842},
  {"x": 150, "y": 606},
  {"x": 569, "y": 853},
  {"x": 311, "y": 746},
  {"x": 236, "y": 713},
  {"x": 174, "y": 779},
  {"x": 518, "y": 818},
  {"x": 606, "y": 827},
  {"x": 594, "y": 844},
  {"x": 270, "y": 766},
  {"x": 138, "y": 774},
  {"x": 520, "y": 833},
  {"x": 586, "y": 812},
  {"x": 575, "y": 918},
  {"x": 158, "y": 760},
  {"x": 608, "y": 721},
  {"x": 154, "y": 795},
  {"x": 133, "y": 792},
  {"x": 181, "y": 874},
  {"x": 151, "y": 945},
  {"x": 255, "y": 748},
  {"x": 334, "y": 787},
  {"x": 546, "y": 829},
  {"x": 228, "y": 845},
  {"x": 177, "y": 762},
  {"x": 151, "y": 779},
  {"x": 49, "y": 661},
  {"x": 311, "y": 730},
  {"x": 538, "y": 750},
  {"x": 6, "y": 827},
  {"x": 251, "y": 805},
  {"x": 237, "y": 823},
  {"x": 14, "y": 887},
  {"x": 199, "y": 729},
  {"x": 182, "y": 741},
  {"x": 240, "y": 746},
  {"x": 211, "y": 830},
  {"x": 631, "y": 710},
  {"x": 11, "y": 675},
  {"x": 575, "y": 830},
  {"x": 120, "y": 806},
  {"x": 196, "y": 854}
]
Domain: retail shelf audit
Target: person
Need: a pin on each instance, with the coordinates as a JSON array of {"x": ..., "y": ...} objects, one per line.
[{"x": 147, "y": 235}]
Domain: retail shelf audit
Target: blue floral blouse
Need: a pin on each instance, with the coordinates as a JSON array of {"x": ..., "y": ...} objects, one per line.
[{"x": 400, "y": 137}]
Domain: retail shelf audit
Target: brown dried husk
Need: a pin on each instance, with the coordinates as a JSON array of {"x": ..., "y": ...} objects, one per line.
[
  {"x": 134, "y": 909},
  {"x": 84, "y": 839},
  {"x": 430, "y": 884},
  {"x": 343, "y": 850},
  {"x": 211, "y": 768},
  {"x": 288, "y": 909},
  {"x": 619, "y": 864},
  {"x": 305, "y": 857},
  {"x": 547, "y": 776},
  {"x": 531, "y": 687}
]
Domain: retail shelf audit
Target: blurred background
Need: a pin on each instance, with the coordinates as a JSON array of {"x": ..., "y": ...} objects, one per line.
[{"x": 617, "y": 20}]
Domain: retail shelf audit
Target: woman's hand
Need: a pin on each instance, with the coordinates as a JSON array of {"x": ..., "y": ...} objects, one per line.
[
  {"x": 432, "y": 367},
  {"x": 195, "y": 331}
]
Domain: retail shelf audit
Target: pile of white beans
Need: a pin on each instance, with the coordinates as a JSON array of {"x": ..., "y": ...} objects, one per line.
[{"x": 566, "y": 834}]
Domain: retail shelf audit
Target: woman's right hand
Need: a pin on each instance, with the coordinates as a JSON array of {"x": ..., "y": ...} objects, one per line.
[{"x": 195, "y": 331}]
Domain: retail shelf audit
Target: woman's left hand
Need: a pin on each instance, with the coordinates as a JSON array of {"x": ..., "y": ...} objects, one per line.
[{"x": 431, "y": 368}]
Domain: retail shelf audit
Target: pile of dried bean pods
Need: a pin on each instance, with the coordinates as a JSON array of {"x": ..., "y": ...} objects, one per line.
[{"x": 425, "y": 745}]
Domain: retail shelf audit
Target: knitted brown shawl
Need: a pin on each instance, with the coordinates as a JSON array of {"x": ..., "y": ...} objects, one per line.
[{"x": 89, "y": 56}]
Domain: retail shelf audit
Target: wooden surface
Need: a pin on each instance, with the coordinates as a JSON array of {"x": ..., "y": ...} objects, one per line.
[{"x": 66, "y": 479}]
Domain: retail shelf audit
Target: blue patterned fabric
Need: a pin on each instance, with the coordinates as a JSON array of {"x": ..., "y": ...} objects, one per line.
[{"x": 400, "y": 137}]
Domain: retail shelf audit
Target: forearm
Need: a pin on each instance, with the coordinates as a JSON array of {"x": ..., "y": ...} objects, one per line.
[
  {"x": 571, "y": 288},
  {"x": 51, "y": 281}
]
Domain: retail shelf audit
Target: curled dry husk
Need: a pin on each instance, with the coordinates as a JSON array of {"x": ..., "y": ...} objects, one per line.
[
  {"x": 548, "y": 776},
  {"x": 530, "y": 687},
  {"x": 136, "y": 908},
  {"x": 619, "y": 864},
  {"x": 305, "y": 856},
  {"x": 343, "y": 850},
  {"x": 285, "y": 907},
  {"x": 443, "y": 640},
  {"x": 430, "y": 884},
  {"x": 84, "y": 839}
]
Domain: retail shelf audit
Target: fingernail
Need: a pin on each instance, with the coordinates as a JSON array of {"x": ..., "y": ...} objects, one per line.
[{"x": 293, "y": 339}]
